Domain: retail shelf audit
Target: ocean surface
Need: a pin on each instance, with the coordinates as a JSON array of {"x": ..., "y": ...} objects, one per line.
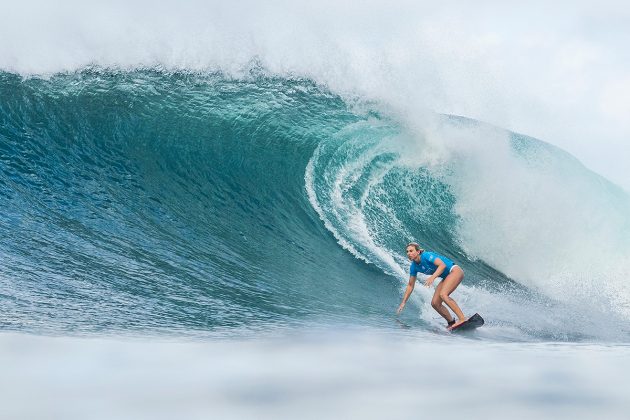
[{"x": 195, "y": 244}]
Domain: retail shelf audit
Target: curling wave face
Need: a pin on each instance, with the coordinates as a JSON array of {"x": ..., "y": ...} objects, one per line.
[{"x": 153, "y": 201}]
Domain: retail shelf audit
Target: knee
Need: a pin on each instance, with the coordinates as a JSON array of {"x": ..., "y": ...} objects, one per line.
[
  {"x": 436, "y": 303},
  {"x": 444, "y": 297}
]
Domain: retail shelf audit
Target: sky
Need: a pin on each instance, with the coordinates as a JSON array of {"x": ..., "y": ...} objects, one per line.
[{"x": 558, "y": 72}]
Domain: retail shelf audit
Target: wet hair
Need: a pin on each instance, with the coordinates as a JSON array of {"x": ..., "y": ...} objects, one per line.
[{"x": 415, "y": 245}]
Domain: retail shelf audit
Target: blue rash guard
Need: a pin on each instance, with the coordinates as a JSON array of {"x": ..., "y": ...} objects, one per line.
[{"x": 427, "y": 265}]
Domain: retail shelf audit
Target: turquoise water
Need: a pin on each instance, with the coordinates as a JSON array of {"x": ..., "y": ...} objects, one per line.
[
  {"x": 150, "y": 201},
  {"x": 266, "y": 215}
]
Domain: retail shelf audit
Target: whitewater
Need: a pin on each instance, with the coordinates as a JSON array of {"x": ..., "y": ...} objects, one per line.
[{"x": 205, "y": 215}]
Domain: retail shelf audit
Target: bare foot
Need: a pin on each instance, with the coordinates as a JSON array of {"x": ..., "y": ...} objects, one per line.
[{"x": 457, "y": 324}]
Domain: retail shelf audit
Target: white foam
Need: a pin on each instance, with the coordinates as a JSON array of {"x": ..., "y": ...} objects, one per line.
[
  {"x": 344, "y": 214},
  {"x": 546, "y": 222}
]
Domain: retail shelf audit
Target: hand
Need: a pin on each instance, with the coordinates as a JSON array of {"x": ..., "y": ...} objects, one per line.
[
  {"x": 429, "y": 282},
  {"x": 400, "y": 308}
]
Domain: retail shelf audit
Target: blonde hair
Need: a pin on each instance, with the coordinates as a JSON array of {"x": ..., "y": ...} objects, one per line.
[{"x": 415, "y": 245}]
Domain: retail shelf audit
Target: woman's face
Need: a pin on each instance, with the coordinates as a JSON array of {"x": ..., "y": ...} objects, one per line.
[{"x": 412, "y": 252}]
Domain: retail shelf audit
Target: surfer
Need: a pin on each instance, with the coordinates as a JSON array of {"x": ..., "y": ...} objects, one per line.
[{"x": 436, "y": 266}]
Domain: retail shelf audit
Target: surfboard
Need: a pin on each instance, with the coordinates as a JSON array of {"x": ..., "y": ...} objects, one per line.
[{"x": 473, "y": 322}]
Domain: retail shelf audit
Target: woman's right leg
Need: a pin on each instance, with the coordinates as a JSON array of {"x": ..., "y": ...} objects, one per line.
[{"x": 438, "y": 303}]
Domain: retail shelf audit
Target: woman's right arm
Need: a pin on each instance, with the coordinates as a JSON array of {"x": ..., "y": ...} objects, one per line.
[{"x": 410, "y": 286}]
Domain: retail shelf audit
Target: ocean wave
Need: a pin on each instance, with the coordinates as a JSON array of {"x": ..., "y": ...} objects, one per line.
[{"x": 159, "y": 200}]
